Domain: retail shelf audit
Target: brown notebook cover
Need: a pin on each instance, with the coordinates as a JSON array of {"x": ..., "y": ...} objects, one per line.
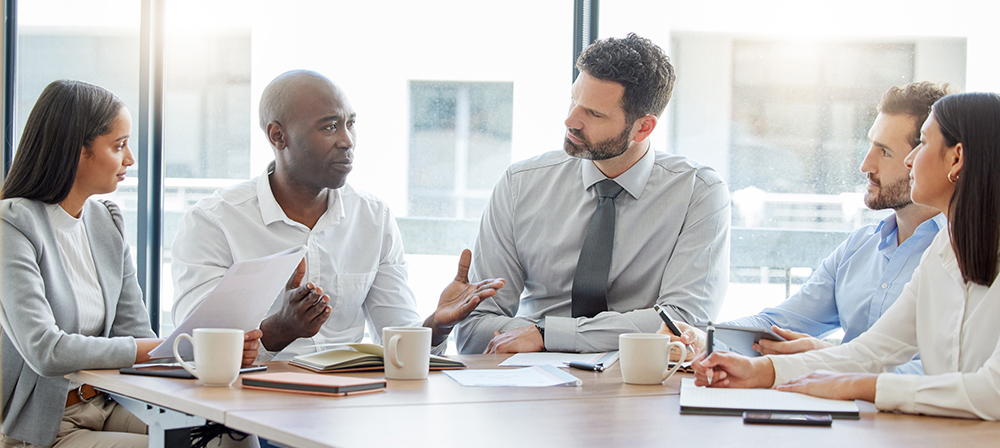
[{"x": 311, "y": 383}]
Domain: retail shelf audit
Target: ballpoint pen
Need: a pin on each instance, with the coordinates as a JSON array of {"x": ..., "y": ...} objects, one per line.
[
  {"x": 599, "y": 367},
  {"x": 709, "y": 347},
  {"x": 670, "y": 324}
]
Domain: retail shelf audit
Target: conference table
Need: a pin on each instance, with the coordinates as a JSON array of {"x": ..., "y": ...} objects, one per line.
[{"x": 603, "y": 412}]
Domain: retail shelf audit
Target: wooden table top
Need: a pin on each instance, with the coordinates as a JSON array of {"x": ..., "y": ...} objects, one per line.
[
  {"x": 438, "y": 412},
  {"x": 213, "y": 402}
]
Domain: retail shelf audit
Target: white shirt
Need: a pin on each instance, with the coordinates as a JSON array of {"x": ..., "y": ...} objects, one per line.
[
  {"x": 954, "y": 326},
  {"x": 71, "y": 237},
  {"x": 355, "y": 254}
]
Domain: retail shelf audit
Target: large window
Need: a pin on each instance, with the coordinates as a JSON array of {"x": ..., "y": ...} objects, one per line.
[
  {"x": 95, "y": 42},
  {"x": 777, "y": 96},
  {"x": 460, "y": 138}
]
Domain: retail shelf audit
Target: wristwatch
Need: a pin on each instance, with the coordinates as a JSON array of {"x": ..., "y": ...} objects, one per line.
[{"x": 540, "y": 325}]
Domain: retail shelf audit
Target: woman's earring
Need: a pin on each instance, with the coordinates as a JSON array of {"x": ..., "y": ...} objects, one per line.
[{"x": 950, "y": 179}]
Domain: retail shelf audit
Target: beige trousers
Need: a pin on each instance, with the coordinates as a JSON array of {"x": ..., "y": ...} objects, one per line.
[{"x": 102, "y": 423}]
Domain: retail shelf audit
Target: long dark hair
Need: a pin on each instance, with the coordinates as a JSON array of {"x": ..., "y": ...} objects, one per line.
[
  {"x": 67, "y": 117},
  {"x": 973, "y": 119}
]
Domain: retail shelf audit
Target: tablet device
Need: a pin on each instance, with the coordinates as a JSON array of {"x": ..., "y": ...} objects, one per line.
[
  {"x": 173, "y": 370},
  {"x": 740, "y": 339}
]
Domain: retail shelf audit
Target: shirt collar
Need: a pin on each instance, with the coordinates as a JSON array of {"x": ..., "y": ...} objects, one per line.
[
  {"x": 271, "y": 212},
  {"x": 887, "y": 231},
  {"x": 632, "y": 180},
  {"x": 888, "y": 228}
]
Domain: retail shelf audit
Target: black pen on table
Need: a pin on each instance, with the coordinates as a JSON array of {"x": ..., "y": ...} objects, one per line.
[
  {"x": 708, "y": 352},
  {"x": 670, "y": 324},
  {"x": 599, "y": 367}
]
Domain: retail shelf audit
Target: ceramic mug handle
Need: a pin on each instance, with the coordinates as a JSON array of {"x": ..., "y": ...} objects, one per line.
[{"x": 187, "y": 366}]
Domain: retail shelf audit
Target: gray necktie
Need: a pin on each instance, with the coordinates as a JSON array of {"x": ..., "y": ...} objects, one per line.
[{"x": 590, "y": 285}]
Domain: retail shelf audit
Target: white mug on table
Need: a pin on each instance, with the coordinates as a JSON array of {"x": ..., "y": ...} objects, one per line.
[
  {"x": 645, "y": 357},
  {"x": 218, "y": 353},
  {"x": 407, "y": 352}
]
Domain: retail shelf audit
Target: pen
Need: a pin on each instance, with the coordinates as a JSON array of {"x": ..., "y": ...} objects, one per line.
[
  {"x": 670, "y": 324},
  {"x": 599, "y": 367},
  {"x": 711, "y": 343}
]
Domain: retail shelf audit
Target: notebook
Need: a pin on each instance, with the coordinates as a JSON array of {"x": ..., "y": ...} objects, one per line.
[
  {"x": 310, "y": 383},
  {"x": 718, "y": 401},
  {"x": 357, "y": 358}
]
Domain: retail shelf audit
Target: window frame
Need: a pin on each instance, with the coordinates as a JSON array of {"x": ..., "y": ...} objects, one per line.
[{"x": 149, "y": 150}]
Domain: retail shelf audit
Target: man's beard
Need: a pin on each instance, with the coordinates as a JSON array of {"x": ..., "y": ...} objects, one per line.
[
  {"x": 604, "y": 150},
  {"x": 895, "y": 195}
]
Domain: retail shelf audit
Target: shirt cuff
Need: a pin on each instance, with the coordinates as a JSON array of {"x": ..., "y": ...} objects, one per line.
[
  {"x": 440, "y": 348},
  {"x": 784, "y": 369},
  {"x": 560, "y": 334},
  {"x": 263, "y": 355},
  {"x": 896, "y": 392}
]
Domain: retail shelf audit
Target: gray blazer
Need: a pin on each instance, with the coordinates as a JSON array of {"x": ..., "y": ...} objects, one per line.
[{"x": 41, "y": 310}]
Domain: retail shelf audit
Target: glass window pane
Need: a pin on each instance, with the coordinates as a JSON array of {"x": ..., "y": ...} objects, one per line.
[
  {"x": 780, "y": 103},
  {"x": 95, "y": 42},
  {"x": 447, "y": 97}
]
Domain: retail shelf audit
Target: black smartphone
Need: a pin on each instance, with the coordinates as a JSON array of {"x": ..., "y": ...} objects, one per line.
[{"x": 786, "y": 418}]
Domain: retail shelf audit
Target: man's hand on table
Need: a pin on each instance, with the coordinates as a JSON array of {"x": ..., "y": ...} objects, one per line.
[{"x": 518, "y": 340}]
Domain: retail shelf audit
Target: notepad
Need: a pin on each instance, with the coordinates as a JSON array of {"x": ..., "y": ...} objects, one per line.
[
  {"x": 359, "y": 358},
  {"x": 310, "y": 383},
  {"x": 719, "y": 401}
]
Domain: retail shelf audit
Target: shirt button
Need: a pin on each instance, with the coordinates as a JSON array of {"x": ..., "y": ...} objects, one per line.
[{"x": 885, "y": 285}]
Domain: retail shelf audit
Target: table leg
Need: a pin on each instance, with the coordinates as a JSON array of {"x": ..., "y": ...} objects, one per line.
[{"x": 167, "y": 427}]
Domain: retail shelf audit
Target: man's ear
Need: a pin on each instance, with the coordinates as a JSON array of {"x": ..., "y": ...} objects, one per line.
[
  {"x": 276, "y": 135},
  {"x": 645, "y": 127}
]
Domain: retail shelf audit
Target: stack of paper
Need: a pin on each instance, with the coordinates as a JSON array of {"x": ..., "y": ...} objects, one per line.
[
  {"x": 537, "y": 376},
  {"x": 559, "y": 359}
]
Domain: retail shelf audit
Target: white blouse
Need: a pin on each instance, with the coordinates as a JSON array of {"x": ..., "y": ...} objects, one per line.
[
  {"x": 71, "y": 237},
  {"x": 954, "y": 325}
]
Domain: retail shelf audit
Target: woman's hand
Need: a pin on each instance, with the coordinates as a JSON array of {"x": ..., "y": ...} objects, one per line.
[
  {"x": 727, "y": 369},
  {"x": 837, "y": 386}
]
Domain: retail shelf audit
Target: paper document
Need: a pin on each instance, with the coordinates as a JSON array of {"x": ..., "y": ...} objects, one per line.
[
  {"x": 240, "y": 300},
  {"x": 559, "y": 359},
  {"x": 718, "y": 401},
  {"x": 537, "y": 376}
]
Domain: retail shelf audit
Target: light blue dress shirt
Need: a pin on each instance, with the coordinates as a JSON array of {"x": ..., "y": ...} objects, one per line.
[{"x": 855, "y": 285}]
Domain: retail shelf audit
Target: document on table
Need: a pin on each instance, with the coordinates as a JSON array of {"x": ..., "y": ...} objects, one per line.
[
  {"x": 240, "y": 300},
  {"x": 719, "y": 401},
  {"x": 559, "y": 359},
  {"x": 536, "y": 376}
]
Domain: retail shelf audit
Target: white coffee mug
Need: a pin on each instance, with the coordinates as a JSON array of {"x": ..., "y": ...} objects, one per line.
[
  {"x": 218, "y": 353},
  {"x": 407, "y": 352},
  {"x": 645, "y": 357}
]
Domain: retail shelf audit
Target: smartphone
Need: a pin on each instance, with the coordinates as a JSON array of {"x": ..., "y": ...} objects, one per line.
[{"x": 784, "y": 418}]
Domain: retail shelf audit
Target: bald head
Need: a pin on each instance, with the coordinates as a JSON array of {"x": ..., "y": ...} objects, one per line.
[{"x": 281, "y": 94}]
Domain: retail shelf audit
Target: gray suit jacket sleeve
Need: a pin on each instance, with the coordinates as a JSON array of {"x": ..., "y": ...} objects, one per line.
[{"x": 40, "y": 341}]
